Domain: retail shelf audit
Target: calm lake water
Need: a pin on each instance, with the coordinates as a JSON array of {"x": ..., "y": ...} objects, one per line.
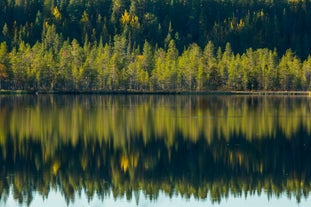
[{"x": 135, "y": 150}]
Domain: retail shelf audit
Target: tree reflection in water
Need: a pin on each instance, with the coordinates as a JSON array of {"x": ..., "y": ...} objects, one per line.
[{"x": 189, "y": 145}]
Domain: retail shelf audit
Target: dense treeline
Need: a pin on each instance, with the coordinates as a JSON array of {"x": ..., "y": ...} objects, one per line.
[
  {"x": 54, "y": 65},
  {"x": 281, "y": 24},
  {"x": 155, "y": 45}
]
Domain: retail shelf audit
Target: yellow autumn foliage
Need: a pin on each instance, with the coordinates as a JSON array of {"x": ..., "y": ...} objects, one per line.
[
  {"x": 140, "y": 57},
  {"x": 56, "y": 13},
  {"x": 241, "y": 24},
  {"x": 125, "y": 19}
]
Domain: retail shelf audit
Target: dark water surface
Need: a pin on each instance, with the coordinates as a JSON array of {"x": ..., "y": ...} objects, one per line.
[{"x": 140, "y": 150}]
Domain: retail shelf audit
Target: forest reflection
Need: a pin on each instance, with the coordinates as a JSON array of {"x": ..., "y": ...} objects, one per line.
[{"x": 189, "y": 145}]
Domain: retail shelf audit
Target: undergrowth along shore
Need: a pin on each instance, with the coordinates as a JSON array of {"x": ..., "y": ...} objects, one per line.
[{"x": 131, "y": 92}]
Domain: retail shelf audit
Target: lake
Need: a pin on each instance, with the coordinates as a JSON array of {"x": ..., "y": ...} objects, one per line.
[{"x": 155, "y": 150}]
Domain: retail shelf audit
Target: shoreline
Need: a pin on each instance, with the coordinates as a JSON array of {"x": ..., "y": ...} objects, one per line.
[{"x": 127, "y": 92}]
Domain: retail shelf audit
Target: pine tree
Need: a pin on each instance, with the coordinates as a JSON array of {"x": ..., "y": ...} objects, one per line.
[{"x": 4, "y": 64}]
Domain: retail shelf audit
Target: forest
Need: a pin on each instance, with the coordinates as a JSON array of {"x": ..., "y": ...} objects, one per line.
[{"x": 158, "y": 45}]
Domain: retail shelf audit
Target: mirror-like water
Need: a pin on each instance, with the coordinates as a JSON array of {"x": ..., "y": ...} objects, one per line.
[{"x": 155, "y": 150}]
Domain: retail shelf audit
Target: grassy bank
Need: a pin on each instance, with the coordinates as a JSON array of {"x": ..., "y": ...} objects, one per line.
[{"x": 129, "y": 92}]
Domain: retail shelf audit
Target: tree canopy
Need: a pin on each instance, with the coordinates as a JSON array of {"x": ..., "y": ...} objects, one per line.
[{"x": 157, "y": 45}]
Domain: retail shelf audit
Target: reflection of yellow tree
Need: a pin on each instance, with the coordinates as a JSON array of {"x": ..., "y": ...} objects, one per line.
[{"x": 128, "y": 162}]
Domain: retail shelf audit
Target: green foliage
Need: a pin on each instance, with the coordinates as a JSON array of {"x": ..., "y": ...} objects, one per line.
[
  {"x": 155, "y": 45},
  {"x": 268, "y": 24},
  {"x": 4, "y": 64},
  {"x": 55, "y": 64}
]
